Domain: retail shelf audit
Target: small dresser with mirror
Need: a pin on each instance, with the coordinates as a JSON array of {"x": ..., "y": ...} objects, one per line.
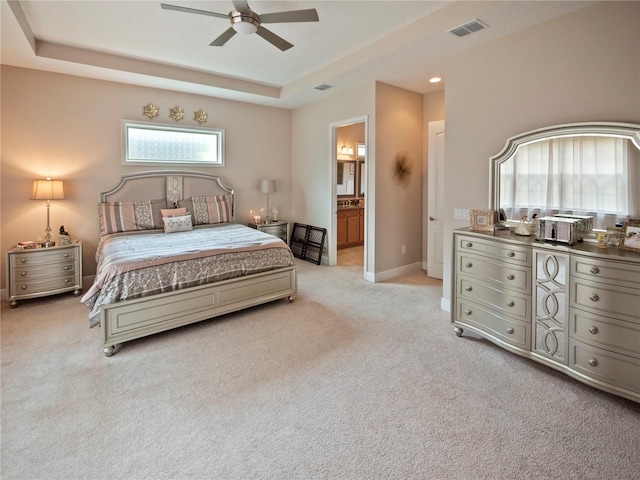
[{"x": 574, "y": 308}]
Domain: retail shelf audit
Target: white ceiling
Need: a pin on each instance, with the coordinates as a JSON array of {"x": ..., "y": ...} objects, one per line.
[{"x": 402, "y": 43}]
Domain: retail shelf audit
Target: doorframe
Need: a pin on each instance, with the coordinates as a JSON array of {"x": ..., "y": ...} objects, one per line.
[{"x": 333, "y": 198}]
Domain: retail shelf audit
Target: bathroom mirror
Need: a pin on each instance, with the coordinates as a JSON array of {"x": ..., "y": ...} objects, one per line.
[
  {"x": 346, "y": 179},
  {"x": 581, "y": 169}
]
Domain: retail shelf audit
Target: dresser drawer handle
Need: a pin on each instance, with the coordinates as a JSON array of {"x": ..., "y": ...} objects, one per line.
[
  {"x": 468, "y": 264},
  {"x": 67, "y": 280},
  {"x": 594, "y": 298},
  {"x": 468, "y": 288},
  {"x": 467, "y": 312},
  {"x": 23, "y": 260},
  {"x": 510, "y": 303},
  {"x": 23, "y": 273},
  {"x": 66, "y": 255},
  {"x": 510, "y": 331},
  {"x": 468, "y": 245},
  {"x": 593, "y": 362},
  {"x": 511, "y": 254},
  {"x": 67, "y": 267},
  {"x": 594, "y": 270},
  {"x": 24, "y": 287},
  {"x": 511, "y": 276},
  {"x": 593, "y": 330}
]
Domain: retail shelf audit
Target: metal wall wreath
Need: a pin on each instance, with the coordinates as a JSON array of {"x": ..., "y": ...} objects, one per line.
[{"x": 402, "y": 168}]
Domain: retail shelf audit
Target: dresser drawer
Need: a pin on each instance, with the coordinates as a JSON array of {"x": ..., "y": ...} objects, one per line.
[
  {"x": 625, "y": 274},
  {"x": 50, "y": 285},
  {"x": 517, "y": 305},
  {"x": 608, "y": 333},
  {"x": 607, "y": 300},
  {"x": 604, "y": 366},
  {"x": 42, "y": 257},
  {"x": 510, "y": 331},
  {"x": 492, "y": 249},
  {"x": 497, "y": 273}
]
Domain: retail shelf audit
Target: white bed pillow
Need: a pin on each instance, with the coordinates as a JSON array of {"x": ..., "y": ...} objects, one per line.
[{"x": 177, "y": 224}]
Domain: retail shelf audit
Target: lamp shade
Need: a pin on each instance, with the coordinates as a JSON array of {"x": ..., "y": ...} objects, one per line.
[
  {"x": 47, "y": 190},
  {"x": 267, "y": 185}
]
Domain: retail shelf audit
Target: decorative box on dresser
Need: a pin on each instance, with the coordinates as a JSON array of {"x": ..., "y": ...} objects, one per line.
[
  {"x": 278, "y": 228},
  {"x": 39, "y": 272},
  {"x": 574, "y": 308}
]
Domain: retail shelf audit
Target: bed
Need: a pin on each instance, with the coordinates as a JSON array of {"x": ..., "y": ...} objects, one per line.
[{"x": 170, "y": 254}]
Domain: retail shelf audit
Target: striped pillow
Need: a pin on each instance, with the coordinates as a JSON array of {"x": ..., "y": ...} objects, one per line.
[
  {"x": 208, "y": 210},
  {"x": 130, "y": 216}
]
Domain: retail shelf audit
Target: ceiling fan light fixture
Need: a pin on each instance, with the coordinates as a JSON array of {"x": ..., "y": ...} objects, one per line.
[{"x": 245, "y": 22}]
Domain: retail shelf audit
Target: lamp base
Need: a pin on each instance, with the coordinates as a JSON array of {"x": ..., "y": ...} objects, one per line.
[{"x": 48, "y": 244}]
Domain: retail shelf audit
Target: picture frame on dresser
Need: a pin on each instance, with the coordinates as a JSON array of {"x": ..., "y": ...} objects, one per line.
[
  {"x": 482, "y": 220},
  {"x": 630, "y": 237}
]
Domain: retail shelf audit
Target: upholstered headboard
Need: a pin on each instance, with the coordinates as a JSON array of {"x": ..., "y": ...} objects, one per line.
[{"x": 173, "y": 185}]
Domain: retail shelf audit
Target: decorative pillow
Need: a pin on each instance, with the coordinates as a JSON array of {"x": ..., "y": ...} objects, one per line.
[
  {"x": 173, "y": 212},
  {"x": 130, "y": 216},
  {"x": 208, "y": 210},
  {"x": 177, "y": 224}
]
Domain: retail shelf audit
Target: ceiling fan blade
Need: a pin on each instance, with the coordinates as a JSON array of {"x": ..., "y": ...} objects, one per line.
[
  {"x": 274, "y": 39},
  {"x": 310, "y": 15},
  {"x": 241, "y": 5},
  {"x": 166, "y": 6},
  {"x": 223, "y": 38}
]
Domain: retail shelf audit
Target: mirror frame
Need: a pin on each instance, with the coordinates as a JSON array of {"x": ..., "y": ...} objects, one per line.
[{"x": 629, "y": 131}]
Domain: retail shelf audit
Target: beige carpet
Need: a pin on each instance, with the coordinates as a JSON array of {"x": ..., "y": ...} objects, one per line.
[{"x": 352, "y": 381}]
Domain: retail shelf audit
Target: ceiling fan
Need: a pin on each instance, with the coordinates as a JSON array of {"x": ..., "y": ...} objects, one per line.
[{"x": 244, "y": 20}]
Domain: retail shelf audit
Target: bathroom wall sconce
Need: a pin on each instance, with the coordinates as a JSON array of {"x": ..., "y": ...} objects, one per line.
[{"x": 346, "y": 150}]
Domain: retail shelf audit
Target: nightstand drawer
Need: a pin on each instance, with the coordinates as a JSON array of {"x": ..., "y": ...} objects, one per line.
[
  {"x": 46, "y": 270},
  {"x": 278, "y": 229},
  {"x": 50, "y": 284},
  {"x": 42, "y": 257}
]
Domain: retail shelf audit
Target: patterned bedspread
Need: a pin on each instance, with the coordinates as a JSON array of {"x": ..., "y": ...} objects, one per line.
[{"x": 138, "y": 264}]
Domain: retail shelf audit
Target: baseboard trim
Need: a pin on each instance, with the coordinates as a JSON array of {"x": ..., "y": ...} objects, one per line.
[
  {"x": 445, "y": 304},
  {"x": 394, "y": 272}
]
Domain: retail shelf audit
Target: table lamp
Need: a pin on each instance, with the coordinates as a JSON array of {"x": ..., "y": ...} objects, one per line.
[
  {"x": 47, "y": 190},
  {"x": 267, "y": 186}
]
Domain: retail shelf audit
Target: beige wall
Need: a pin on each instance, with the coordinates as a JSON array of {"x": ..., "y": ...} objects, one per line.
[
  {"x": 398, "y": 208},
  {"x": 584, "y": 66},
  {"x": 311, "y": 153},
  {"x": 69, "y": 128}
]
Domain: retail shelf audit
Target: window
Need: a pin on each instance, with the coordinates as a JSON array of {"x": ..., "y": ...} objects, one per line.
[{"x": 150, "y": 143}]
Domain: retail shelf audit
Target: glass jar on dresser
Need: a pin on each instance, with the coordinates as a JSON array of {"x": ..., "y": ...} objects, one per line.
[{"x": 574, "y": 308}]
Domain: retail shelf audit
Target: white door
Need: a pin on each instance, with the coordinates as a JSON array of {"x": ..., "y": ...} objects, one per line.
[{"x": 435, "y": 209}]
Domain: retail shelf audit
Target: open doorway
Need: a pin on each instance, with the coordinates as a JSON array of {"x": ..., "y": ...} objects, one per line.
[{"x": 349, "y": 197}]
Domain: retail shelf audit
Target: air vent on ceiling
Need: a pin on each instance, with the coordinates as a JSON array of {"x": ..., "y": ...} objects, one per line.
[
  {"x": 323, "y": 86},
  {"x": 469, "y": 27}
]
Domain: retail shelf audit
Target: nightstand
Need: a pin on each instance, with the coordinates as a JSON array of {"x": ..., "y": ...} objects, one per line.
[
  {"x": 279, "y": 229},
  {"x": 39, "y": 272}
]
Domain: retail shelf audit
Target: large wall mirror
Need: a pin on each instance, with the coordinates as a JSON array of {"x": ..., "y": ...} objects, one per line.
[{"x": 582, "y": 169}]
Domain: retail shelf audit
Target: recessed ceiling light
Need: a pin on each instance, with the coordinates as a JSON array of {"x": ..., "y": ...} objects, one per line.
[{"x": 435, "y": 80}]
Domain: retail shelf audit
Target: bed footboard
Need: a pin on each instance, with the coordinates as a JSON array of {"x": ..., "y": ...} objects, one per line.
[{"x": 131, "y": 319}]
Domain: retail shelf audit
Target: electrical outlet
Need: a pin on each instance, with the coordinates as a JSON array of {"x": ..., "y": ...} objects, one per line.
[{"x": 403, "y": 249}]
